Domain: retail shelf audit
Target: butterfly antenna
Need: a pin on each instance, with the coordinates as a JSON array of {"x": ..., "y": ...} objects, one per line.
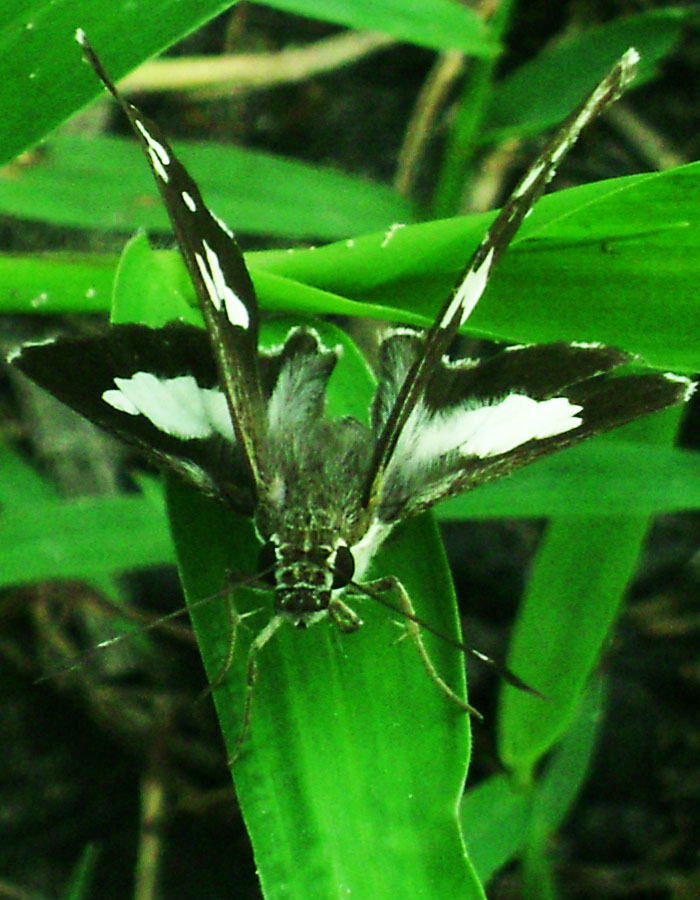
[{"x": 79, "y": 658}]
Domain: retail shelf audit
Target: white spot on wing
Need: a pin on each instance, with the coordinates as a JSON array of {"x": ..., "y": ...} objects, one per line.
[
  {"x": 121, "y": 402},
  {"x": 222, "y": 225},
  {"x": 483, "y": 431},
  {"x": 188, "y": 200},
  {"x": 160, "y": 158},
  {"x": 528, "y": 180},
  {"x": 219, "y": 292},
  {"x": 469, "y": 292},
  {"x": 177, "y": 406}
]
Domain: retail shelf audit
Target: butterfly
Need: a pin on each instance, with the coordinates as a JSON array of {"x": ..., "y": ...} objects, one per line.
[{"x": 247, "y": 425}]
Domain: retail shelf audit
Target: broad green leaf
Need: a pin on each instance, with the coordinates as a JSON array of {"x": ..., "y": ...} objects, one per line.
[
  {"x": 347, "y": 733},
  {"x": 43, "y": 81},
  {"x": 42, "y": 78},
  {"x": 104, "y": 182},
  {"x": 617, "y": 262},
  {"x": 50, "y": 283},
  {"x": 602, "y": 476},
  {"x": 579, "y": 577},
  {"x": 333, "y": 739},
  {"x": 440, "y": 24},
  {"x": 84, "y": 538},
  {"x": 542, "y": 92}
]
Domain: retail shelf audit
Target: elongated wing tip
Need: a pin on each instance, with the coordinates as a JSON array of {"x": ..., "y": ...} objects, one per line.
[{"x": 629, "y": 59}]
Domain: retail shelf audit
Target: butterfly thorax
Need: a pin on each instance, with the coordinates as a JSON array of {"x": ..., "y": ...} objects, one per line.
[{"x": 309, "y": 516}]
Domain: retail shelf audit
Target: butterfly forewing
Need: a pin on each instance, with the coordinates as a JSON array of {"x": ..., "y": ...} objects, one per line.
[
  {"x": 215, "y": 263},
  {"x": 472, "y": 282}
]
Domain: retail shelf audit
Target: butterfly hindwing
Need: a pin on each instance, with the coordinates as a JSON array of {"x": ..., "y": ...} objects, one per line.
[
  {"x": 479, "y": 420},
  {"x": 156, "y": 389}
]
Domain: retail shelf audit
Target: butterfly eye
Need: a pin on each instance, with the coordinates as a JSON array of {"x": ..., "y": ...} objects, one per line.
[
  {"x": 266, "y": 562},
  {"x": 343, "y": 567}
]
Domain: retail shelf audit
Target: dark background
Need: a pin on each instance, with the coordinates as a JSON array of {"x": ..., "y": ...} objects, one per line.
[{"x": 81, "y": 752}]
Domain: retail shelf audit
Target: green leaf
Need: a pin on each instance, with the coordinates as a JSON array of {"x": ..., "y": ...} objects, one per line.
[
  {"x": 44, "y": 536},
  {"x": 345, "y": 729},
  {"x": 51, "y": 283},
  {"x": 617, "y": 261},
  {"x": 605, "y": 476},
  {"x": 347, "y": 732},
  {"x": 20, "y": 483},
  {"x": 103, "y": 182},
  {"x": 81, "y": 878},
  {"x": 566, "y": 770},
  {"x": 151, "y": 288},
  {"x": 42, "y": 78},
  {"x": 494, "y": 817},
  {"x": 440, "y": 24},
  {"x": 543, "y": 92},
  {"x": 333, "y": 740},
  {"x": 580, "y": 574},
  {"x": 87, "y": 538},
  {"x": 43, "y": 81},
  {"x": 500, "y": 818},
  {"x": 465, "y": 123}
]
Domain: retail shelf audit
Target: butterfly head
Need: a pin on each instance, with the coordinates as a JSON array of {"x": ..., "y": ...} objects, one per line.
[{"x": 305, "y": 569}]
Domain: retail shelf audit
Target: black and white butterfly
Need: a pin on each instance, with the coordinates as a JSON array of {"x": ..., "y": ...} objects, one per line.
[{"x": 248, "y": 426}]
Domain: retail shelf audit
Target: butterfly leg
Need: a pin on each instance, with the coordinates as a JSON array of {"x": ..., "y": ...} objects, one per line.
[
  {"x": 235, "y": 619},
  {"x": 251, "y": 677},
  {"x": 344, "y": 617},
  {"x": 391, "y": 583}
]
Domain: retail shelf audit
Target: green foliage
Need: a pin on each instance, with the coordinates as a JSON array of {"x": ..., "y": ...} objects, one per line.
[
  {"x": 99, "y": 182},
  {"x": 87, "y": 538},
  {"x": 349, "y": 740}
]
